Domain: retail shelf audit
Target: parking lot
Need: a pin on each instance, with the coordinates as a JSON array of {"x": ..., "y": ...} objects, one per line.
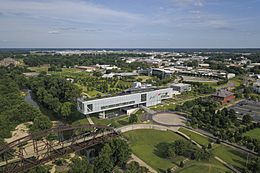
[{"x": 247, "y": 107}]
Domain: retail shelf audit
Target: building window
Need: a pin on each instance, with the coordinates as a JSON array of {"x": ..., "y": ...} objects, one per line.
[
  {"x": 143, "y": 97},
  {"x": 81, "y": 106},
  {"x": 117, "y": 105},
  {"x": 90, "y": 107}
]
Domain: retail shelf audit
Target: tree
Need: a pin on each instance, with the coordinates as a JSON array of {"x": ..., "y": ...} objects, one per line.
[
  {"x": 103, "y": 163},
  {"x": 65, "y": 109},
  {"x": 247, "y": 119},
  {"x": 133, "y": 119},
  {"x": 134, "y": 167},
  {"x": 80, "y": 165},
  {"x": 41, "y": 123},
  {"x": 120, "y": 151},
  {"x": 39, "y": 169}
]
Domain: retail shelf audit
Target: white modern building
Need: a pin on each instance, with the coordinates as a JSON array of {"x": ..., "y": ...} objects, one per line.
[{"x": 132, "y": 98}]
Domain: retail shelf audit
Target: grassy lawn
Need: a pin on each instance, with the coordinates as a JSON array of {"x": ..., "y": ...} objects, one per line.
[
  {"x": 143, "y": 143},
  {"x": 211, "y": 166},
  {"x": 196, "y": 137},
  {"x": 231, "y": 156},
  {"x": 80, "y": 122},
  {"x": 115, "y": 122},
  {"x": 255, "y": 133},
  {"x": 163, "y": 107}
]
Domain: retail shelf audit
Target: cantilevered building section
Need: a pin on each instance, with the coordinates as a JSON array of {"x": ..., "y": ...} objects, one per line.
[{"x": 132, "y": 97}]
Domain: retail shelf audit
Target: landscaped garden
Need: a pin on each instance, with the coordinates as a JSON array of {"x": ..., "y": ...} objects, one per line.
[
  {"x": 144, "y": 145},
  {"x": 254, "y": 134},
  {"x": 196, "y": 137}
]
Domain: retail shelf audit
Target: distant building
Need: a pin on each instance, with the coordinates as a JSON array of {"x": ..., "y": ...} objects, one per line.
[
  {"x": 256, "y": 86},
  {"x": 204, "y": 65},
  {"x": 86, "y": 68},
  {"x": 158, "y": 72},
  {"x": 181, "y": 87},
  {"x": 223, "y": 96}
]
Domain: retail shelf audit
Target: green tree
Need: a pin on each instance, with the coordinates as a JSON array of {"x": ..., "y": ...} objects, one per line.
[
  {"x": 103, "y": 163},
  {"x": 80, "y": 165},
  {"x": 133, "y": 119},
  {"x": 41, "y": 123},
  {"x": 65, "y": 109},
  {"x": 247, "y": 119},
  {"x": 120, "y": 151},
  {"x": 39, "y": 169}
]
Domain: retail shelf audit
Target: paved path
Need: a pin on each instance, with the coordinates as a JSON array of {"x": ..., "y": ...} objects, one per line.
[
  {"x": 227, "y": 165},
  {"x": 148, "y": 110},
  {"x": 90, "y": 120},
  {"x": 142, "y": 163}
]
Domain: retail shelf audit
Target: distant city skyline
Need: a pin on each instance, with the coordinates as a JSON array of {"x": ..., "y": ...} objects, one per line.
[{"x": 129, "y": 24}]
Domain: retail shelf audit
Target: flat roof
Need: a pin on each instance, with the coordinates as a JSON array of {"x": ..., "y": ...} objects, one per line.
[{"x": 126, "y": 92}]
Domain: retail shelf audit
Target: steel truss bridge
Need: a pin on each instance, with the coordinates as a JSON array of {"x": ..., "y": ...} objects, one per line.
[{"x": 39, "y": 148}]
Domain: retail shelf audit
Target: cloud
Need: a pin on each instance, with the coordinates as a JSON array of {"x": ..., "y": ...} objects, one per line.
[
  {"x": 54, "y": 32},
  {"x": 92, "y": 30},
  {"x": 187, "y": 3}
]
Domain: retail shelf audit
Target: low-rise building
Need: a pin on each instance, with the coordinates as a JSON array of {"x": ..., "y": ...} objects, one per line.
[
  {"x": 181, "y": 87},
  {"x": 256, "y": 86},
  {"x": 131, "y": 98},
  {"x": 224, "y": 96}
]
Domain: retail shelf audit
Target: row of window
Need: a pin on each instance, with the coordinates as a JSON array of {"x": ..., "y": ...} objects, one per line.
[{"x": 117, "y": 105}]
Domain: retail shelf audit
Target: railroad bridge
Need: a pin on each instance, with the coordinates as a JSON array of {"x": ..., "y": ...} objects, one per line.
[{"x": 41, "y": 147}]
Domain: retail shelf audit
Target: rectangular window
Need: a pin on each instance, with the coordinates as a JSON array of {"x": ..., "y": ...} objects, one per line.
[
  {"x": 81, "y": 106},
  {"x": 117, "y": 105},
  {"x": 143, "y": 97},
  {"x": 90, "y": 107}
]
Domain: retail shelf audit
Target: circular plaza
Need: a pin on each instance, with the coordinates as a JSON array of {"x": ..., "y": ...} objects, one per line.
[{"x": 169, "y": 119}]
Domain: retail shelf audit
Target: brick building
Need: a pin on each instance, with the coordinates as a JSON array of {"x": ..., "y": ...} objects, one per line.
[{"x": 224, "y": 96}]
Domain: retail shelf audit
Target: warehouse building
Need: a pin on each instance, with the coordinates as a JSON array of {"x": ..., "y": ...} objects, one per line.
[{"x": 131, "y": 98}]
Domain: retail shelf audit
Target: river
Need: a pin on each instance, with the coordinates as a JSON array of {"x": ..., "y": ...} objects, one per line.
[{"x": 28, "y": 98}]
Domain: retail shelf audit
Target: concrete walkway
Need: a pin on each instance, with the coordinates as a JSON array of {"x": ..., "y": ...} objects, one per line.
[
  {"x": 90, "y": 120},
  {"x": 227, "y": 165},
  {"x": 142, "y": 163}
]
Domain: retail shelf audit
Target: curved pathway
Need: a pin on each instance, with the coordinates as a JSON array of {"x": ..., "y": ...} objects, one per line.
[{"x": 165, "y": 128}]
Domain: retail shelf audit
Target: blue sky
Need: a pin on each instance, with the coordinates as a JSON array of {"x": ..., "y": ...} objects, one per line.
[{"x": 130, "y": 23}]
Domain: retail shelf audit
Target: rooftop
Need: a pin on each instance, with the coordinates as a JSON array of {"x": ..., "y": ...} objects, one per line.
[{"x": 222, "y": 93}]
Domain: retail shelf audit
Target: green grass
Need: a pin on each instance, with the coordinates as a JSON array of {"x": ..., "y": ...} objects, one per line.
[
  {"x": 231, "y": 156},
  {"x": 143, "y": 143},
  {"x": 115, "y": 122},
  {"x": 203, "y": 167},
  {"x": 80, "y": 122},
  {"x": 255, "y": 133},
  {"x": 196, "y": 137}
]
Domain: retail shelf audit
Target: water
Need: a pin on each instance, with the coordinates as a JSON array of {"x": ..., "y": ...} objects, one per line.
[{"x": 28, "y": 98}]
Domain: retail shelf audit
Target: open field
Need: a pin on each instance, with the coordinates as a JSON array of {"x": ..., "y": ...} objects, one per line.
[
  {"x": 143, "y": 143},
  {"x": 115, "y": 122},
  {"x": 211, "y": 166},
  {"x": 255, "y": 133},
  {"x": 231, "y": 156},
  {"x": 196, "y": 137}
]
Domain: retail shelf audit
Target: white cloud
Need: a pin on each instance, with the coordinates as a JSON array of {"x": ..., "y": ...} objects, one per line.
[
  {"x": 54, "y": 32},
  {"x": 185, "y": 3}
]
